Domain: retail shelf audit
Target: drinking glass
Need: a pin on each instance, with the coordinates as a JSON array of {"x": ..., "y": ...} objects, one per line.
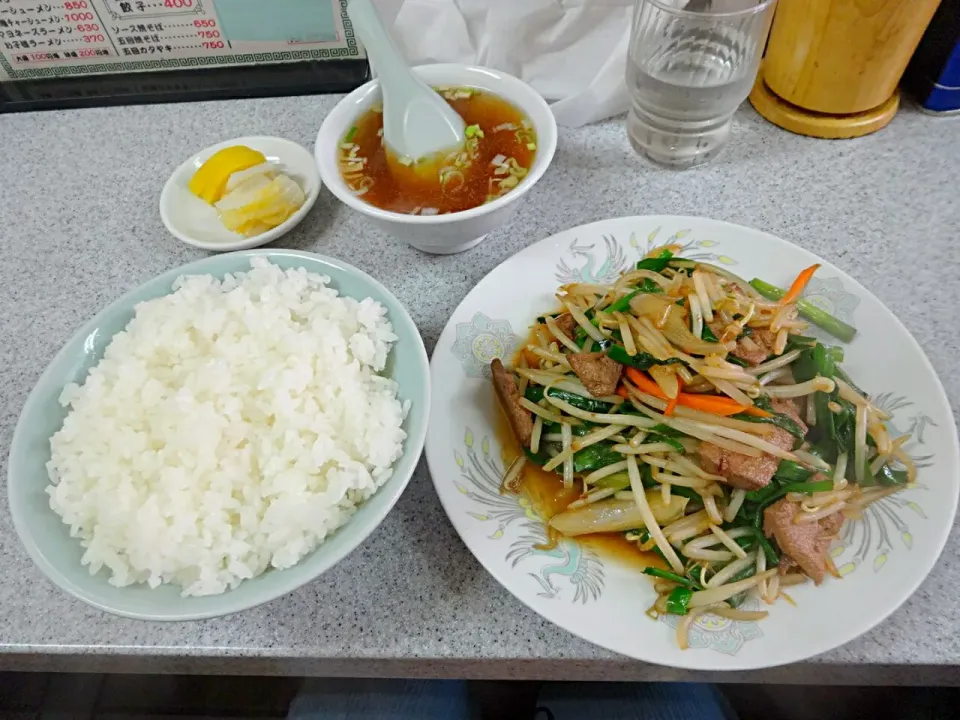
[{"x": 690, "y": 64}]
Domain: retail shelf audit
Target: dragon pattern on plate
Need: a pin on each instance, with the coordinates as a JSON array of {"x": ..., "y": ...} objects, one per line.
[{"x": 566, "y": 570}]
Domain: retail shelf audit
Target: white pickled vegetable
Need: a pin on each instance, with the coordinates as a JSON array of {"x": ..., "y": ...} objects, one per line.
[
  {"x": 258, "y": 199},
  {"x": 268, "y": 170}
]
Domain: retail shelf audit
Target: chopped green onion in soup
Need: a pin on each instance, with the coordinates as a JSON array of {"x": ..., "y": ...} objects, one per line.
[{"x": 492, "y": 161}]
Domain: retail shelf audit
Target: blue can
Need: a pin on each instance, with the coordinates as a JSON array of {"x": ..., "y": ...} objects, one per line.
[{"x": 933, "y": 76}]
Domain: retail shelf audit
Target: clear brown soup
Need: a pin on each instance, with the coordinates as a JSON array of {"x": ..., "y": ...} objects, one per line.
[{"x": 391, "y": 185}]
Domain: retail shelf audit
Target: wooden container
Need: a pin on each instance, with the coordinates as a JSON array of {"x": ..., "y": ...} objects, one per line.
[{"x": 832, "y": 66}]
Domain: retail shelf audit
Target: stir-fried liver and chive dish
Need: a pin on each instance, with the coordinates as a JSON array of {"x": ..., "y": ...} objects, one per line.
[{"x": 685, "y": 410}]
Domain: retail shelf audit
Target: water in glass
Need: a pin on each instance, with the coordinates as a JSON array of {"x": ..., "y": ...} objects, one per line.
[{"x": 687, "y": 71}]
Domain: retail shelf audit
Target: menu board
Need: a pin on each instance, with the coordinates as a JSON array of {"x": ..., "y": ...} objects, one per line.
[{"x": 57, "y": 38}]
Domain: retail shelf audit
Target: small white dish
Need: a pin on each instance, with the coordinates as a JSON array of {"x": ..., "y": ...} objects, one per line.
[
  {"x": 450, "y": 232},
  {"x": 190, "y": 219}
]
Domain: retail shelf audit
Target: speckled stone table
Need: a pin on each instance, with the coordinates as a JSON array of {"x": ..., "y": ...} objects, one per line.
[{"x": 79, "y": 226}]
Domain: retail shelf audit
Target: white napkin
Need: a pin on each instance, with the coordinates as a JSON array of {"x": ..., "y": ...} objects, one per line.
[{"x": 573, "y": 52}]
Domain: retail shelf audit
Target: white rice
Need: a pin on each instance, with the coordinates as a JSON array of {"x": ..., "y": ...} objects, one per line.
[{"x": 231, "y": 427}]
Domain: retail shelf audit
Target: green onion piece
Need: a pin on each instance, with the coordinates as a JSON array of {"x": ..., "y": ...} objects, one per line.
[
  {"x": 473, "y": 131},
  {"x": 686, "y": 492},
  {"x": 822, "y": 319},
  {"x": 771, "y": 492},
  {"x": 790, "y": 472},
  {"x": 678, "y": 601},
  {"x": 541, "y": 458},
  {"x": 800, "y": 341},
  {"x": 888, "y": 476},
  {"x": 773, "y": 558},
  {"x": 737, "y": 600},
  {"x": 621, "y": 481},
  {"x": 748, "y": 571},
  {"x": 531, "y": 146},
  {"x": 649, "y": 286},
  {"x": 616, "y": 481},
  {"x": 780, "y": 420},
  {"x": 824, "y": 364},
  {"x": 645, "y": 534},
  {"x": 808, "y": 488},
  {"x": 350, "y": 134},
  {"x": 621, "y": 304},
  {"x": 594, "y": 457},
  {"x": 654, "y": 438},
  {"x": 667, "y": 431},
  {"x": 656, "y": 264},
  {"x": 672, "y": 577},
  {"x": 707, "y": 334},
  {"x": 640, "y": 361},
  {"x": 534, "y": 394}
]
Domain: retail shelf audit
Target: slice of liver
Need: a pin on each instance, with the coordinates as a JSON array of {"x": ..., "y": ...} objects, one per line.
[
  {"x": 761, "y": 337},
  {"x": 521, "y": 419},
  {"x": 598, "y": 373},
  {"x": 806, "y": 544},
  {"x": 567, "y": 324},
  {"x": 744, "y": 471}
]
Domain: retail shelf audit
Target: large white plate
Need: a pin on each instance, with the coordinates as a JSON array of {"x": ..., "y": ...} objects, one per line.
[{"x": 883, "y": 557}]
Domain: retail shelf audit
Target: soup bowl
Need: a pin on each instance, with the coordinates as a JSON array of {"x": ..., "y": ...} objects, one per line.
[{"x": 449, "y": 232}]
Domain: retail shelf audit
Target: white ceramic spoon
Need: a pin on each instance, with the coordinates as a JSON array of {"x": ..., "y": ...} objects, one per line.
[{"x": 417, "y": 122}]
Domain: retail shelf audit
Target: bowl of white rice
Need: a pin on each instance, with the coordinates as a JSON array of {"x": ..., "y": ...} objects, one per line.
[{"x": 220, "y": 436}]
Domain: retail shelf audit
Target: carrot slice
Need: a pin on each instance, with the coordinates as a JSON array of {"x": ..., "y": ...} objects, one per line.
[
  {"x": 715, "y": 404},
  {"x": 533, "y": 361},
  {"x": 796, "y": 290},
  {"x": 645, "y": 383}
]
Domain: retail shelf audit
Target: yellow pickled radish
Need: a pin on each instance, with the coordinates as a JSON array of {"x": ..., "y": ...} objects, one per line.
[{"x": 210, "y": 180}]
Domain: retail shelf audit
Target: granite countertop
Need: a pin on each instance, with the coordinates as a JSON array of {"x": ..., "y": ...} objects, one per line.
[{"x": 79, "y": 225}]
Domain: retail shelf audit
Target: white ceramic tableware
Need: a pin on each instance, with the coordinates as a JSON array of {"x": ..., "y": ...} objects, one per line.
[
  {"x": 417, "y": 122},
  {"x": 451, "y": 232},
  {"x": 190, "y": 219},
  {"x": 48, "y": 540},
  {"x": 882, "y": 557}
]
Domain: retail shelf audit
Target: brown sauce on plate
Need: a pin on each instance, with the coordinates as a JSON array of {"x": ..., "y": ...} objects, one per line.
[{"x": 548, "y": 497}]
